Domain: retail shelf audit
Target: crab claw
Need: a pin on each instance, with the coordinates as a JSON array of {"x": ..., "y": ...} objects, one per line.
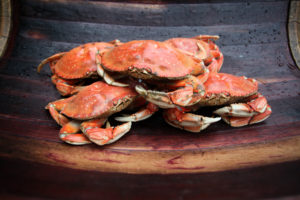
[
  {"x": 142, "y": 114},
  {"x": 66, "y": 87},
  {"x": 69, "y": 133},
  {"x": 241, "y": 114},
  {"x": 106, "y": 77},
  {"x": 102, "y": 136},
  {"x": 187, "y": 121},
  {"x": 187, "y": 92},
  {"x": 54, "y": 108},
  {"x": 181, "y": 97}
]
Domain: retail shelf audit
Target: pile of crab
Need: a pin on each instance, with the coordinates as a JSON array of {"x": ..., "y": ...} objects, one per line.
[{"x": 178, "y": 76}]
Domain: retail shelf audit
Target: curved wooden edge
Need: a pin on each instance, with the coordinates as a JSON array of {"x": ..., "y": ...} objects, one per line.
[
  {"x": 294, "y": 30},
  {"x": 150, "y": 162},
  {"x": 5, "y": 24}
]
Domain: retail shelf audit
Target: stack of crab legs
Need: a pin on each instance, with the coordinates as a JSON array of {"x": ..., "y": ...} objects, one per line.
[{"x": 179, "y": 76}]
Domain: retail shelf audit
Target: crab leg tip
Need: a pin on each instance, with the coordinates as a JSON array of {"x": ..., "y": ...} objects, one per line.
[
  {"x": 140, "y": 115},
  {"x": 141, "y": 90},
  {"x": 108, "y": 124}
]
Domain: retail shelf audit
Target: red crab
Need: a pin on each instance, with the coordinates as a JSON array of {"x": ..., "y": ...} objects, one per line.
[
  {"x": 246, "y": 105},
  {"x": 202, "y": 48},
  {"x": 89, "y": 109},
  {"x": 149, "y": 59},
  {"x": 69, "y": 68},
  {"x": 155, "y": 62}
]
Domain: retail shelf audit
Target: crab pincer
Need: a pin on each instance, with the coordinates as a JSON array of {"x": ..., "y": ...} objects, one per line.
[
  {"x": 188, "y": 121},
  {"x": 171, "y": 94},
  {"x": 92, "y": 132},
  {"x": 251, "y": 112}
]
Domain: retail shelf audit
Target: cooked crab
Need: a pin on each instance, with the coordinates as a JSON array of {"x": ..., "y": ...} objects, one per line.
[
  {"x": 178, "y": 118},
  {"x": 155, "y": 61},
  {"x": 88, "y": 110},
  {"x": 172, "y": 94},
  {"x": 150, "y": 60},
  {"x": 69, "y": 68},
  {"x": 246, "y": 106},
  {"x": 202, "y": 48},
  {"x": 254, "y": 110}
]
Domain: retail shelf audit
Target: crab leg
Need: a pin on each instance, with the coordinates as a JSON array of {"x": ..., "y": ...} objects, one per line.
[
  {"x": 187, "y": 121},
  {"x": 207, "y": 37},
  {"x": 201, "y": 54},
  {"x": 215, "y": 62},
  {"x": 69, "y": 133},
  {"x": 50, "y": 59},
  {"x": 106, "y": 77},
  {"x": 195, "y": 81},
  {"x": 65, "y": 87},
  {"x": 181, "y": 97},
  {"x": 101, "y": 136},
  {"x": 189, "y": 93},
  {"x": 54, "y": 108},
  {"x": 142, "y": 114},
  {"x": 241, "y": 114}
]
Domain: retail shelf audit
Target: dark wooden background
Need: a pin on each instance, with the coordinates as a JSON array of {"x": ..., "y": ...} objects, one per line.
[{"x": 253, "y": 38}]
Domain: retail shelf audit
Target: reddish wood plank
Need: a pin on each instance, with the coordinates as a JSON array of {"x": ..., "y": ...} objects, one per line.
[
  {"x": 34, "y": 180},
  {"x": 158, "y": 162}
]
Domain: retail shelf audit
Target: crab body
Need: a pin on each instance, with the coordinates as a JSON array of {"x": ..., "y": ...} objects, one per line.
[
  {"x": 245, "y": 105},
  {"x": 80, "y": 62},
  {"x": 94, "y": 102},
  {"x": 71, "y": 67},
  {"x": 222, "y": 88},
  {"x": 149, "y": 59}
]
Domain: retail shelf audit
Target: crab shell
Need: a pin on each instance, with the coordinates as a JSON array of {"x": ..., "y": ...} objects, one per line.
[
  {"x": 98, "y": 100},
  {"x": 190, "y": 46},
  {"x": 80, "y": 62},
  {"x": 202, "y": 49},
  {"x": 149, "y": 59},
  {"x": 222, "y": 88}
]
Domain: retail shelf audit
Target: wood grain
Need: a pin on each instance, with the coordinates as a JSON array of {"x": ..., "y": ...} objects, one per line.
[
  {"x": 294, "y": 30},
  {"x": 280, "y": 181},
  {"x": 258, "y": 161},
  {"x": 189, "y": 159},
  {"x": 5, "y": 24}
]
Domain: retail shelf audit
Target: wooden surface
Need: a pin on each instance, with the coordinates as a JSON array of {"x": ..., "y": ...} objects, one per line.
[
  {"x": 5, "y": 25},
  {"x": 294, "y": 30},
  {"x": 259, "y": 161}
]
